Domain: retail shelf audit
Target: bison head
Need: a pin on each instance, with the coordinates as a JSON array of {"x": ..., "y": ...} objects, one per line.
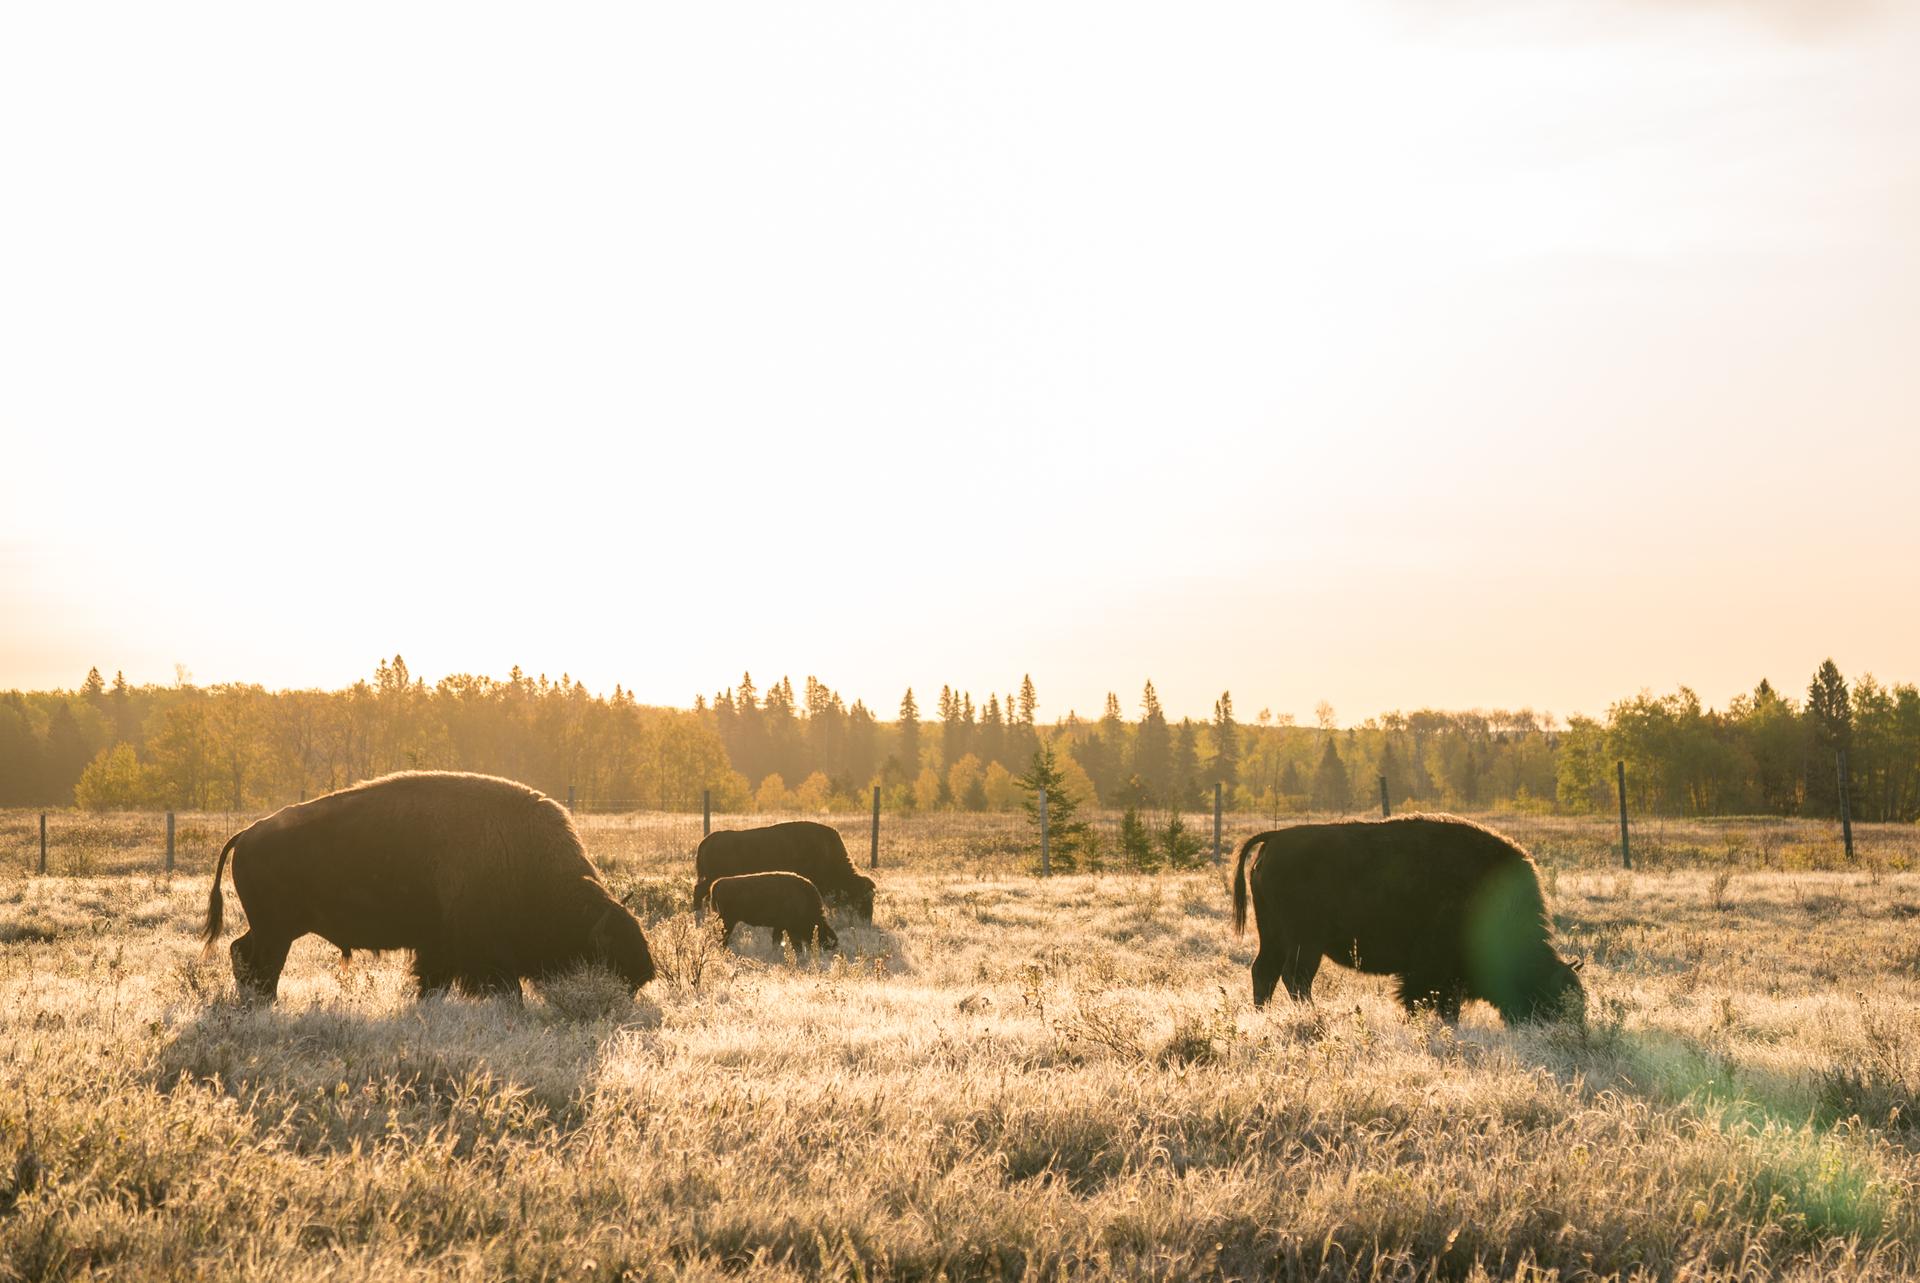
[
  {"x": 617, "y": 940},
  {"x": 859, "y": 897},
  {"x": 1552, "y": 992}
]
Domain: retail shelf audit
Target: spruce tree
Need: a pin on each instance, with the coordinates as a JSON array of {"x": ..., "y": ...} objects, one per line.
[
  {"x": 1830, "y": 715},
  {"x": 1067, "y": 833},
  {"x": 907, "y": 751},
  {"x": 1153, "y": 748},
  {"x": 1330, "y": 791},
  {"x": 1225, "y": 766},
  {"x": 1186, "y": 763},
  {"x": 1136, "y": 843}
]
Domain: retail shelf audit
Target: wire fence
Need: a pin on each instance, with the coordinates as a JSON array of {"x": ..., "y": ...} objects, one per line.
[{"x": 640, "y": 842}]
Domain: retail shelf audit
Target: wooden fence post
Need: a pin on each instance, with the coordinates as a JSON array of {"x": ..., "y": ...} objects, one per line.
[
  {"x": 1846, "y": 808},
  {"x": 1620, "y": 779},
  {"x": 706, "y": 812},
  {"x": 169, "y": 841},
  {"x": 1386, "y": 809},
  {"x": 1216, "y": 820},
  {"x": 1045, "y": 866},
  {"x": 569, "y": 797},
  {"x": 43, "y": 841},
  {"x": 873, "y": 849}
]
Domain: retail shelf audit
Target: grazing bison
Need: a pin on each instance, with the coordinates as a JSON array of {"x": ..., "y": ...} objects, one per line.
[
  {"x": 786, "y": 902},
  {"x": 1450, "y": 908},
  {"x": 482, "y": 878},
  {"x": 814, "y": 851}
]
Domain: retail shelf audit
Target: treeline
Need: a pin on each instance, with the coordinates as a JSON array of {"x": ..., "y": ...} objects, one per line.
[
  {"x": 1766, "y": 754},
  {"x": 241, "y": 747}
]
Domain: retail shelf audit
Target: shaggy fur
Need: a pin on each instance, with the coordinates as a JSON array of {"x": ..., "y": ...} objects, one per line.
[
  {"x": 814, "y": 851},
  {"x": 786, "y": 902},
  {"x": 483, "y": 879},
  {"x": 1452, "y": 909}
]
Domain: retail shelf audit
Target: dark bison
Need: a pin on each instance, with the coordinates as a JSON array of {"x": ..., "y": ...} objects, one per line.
[
  {"x": 1450, "y": 908},
  {"x": 814, "y": 851},
  {"x": 483, "y": 879},
  {"x": 786, "y": 902}
]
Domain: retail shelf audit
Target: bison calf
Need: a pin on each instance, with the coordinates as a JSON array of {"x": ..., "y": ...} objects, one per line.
[
  {"x": 1451, "y": 909},
  {"x": 483, "y": 879},
  {"x": 814, "y": 851},
  {"x": 786, "y": 902}
]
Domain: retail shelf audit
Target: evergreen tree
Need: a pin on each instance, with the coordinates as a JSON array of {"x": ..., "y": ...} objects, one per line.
[
  {"x": 1179, "y": 846},
  {"x": 1136, "y": 843},
  {"x": 1022, "y": 736},
  {"x": 863, "y": 741},
  {"x": 1224, "y": 768},
  {"x": 1829, "y": 707},
  {"x": 907, "y": 746},
  {"x": 1068, "y": 835},
  {"x": 1153, "y": 748},
  {"x": 1290, "y": 785},
  {"x": 94, "y": 688},
  {"x": 1330, "y": 789},
  {"x": 992, "y": 738},
  {"x": 1830, "y": 719},
  {"x": 1186, "y": 763}
]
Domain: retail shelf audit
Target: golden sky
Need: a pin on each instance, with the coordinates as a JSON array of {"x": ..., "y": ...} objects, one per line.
[{"x": 1392, "y": 354}]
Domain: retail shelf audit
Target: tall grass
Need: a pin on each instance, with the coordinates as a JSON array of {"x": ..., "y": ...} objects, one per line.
[{"x": 1000, "y": 1078}]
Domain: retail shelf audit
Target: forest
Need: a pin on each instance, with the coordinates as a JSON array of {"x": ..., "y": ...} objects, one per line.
[{"x": 112, "y": 745}]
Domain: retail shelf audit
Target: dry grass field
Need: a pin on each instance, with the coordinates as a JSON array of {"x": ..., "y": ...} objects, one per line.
[{"x": 1002, "y": 1077}]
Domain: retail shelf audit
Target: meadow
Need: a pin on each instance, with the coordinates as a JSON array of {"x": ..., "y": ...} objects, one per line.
[{"x": 1001, "y": 1077}]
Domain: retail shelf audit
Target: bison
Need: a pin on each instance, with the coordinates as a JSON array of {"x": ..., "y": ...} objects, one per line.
[
  {"x": 483, "y": 879},
  {"x": 1451, "y": 909},
  {"x": 786, "y": 902},
  {"x": 814, "y": 851}
]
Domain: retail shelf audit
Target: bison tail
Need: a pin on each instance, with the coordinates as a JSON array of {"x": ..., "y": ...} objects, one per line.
[
  {"x": 1240, "y": 882},
  {"x": 215, "y": 905}
]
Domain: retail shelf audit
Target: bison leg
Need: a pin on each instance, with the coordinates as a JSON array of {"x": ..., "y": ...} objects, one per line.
[
  {"x": 726, "y": 932},
  {"x": 257, "y": 963},
  {"x": 492, "y": 982},
  {"x": 431, "y": 974},
  {"x": 1283, "y": 960},
  {"x": 1439, "y": 991},
  {"x": 1298, "y": 971}
]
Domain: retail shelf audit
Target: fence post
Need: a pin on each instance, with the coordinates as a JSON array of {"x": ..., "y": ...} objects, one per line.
[
  {"x": 873, "y": 849},
  {"x": 706, "y": 812},
  {"x": 1846, "y": 810},
  {"x": 43, "y": 841},
  {"x": 569, "y": 797},
  {"x": 1045, "y": 866},
  {"x": 1216, "y": 821},
  {"x": 1386, "y": 808},
  {"x": 1620, "y": 780},
  {"x": 169, "y": 841}
]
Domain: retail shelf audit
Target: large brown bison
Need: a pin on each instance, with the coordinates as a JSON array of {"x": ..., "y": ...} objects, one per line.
[
  {"x": 1452, "y": 909},
  {"x": 786, "y": 902},
  {"x": 483, "y": 879},
  {"x": 814, "y": 851}
]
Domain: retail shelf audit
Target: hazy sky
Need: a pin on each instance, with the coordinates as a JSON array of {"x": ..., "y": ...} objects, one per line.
[{"x": 1443, "y": 354}]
